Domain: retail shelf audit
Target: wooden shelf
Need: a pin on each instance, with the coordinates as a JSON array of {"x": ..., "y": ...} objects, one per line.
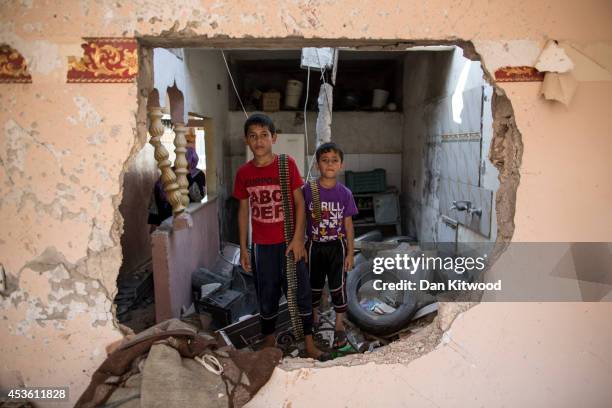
[{"x": 356, "y": 77}]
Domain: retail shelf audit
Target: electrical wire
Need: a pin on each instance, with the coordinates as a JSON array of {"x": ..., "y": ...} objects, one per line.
[
  {"x": 306, "y": 124},
  {"x": 310, "y": 166},
  {"x": 234, "y": 85}
]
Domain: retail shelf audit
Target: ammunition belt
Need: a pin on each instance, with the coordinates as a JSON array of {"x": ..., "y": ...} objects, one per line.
[
  {"x": 316, "y": 202},
  {"x": 290, "y": 268}
]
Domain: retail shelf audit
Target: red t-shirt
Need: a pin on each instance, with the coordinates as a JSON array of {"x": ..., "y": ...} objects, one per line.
[{"x": 261, "y": 185}]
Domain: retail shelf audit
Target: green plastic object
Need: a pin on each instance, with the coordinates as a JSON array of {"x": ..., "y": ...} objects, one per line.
[
  {"x": 374, "y": 181},
  {"x": 346, "y": 350}
]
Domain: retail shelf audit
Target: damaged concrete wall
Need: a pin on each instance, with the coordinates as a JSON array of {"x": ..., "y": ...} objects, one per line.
[
  {"x": 561, "y": 197},
  {"x": 564, "y": 195},
  {"x": 137, "y": 186},
  {"x": 548, "y": 367},
  {"x": 63, "y": 151},
  {"x": 64, "y": 148}
]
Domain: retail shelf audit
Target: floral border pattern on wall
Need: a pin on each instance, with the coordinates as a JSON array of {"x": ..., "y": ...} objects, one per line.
[
  {"x": 13, "y": 67},
  {"x": 518, "y": 74},
  {"x": 105, "y": 60}
]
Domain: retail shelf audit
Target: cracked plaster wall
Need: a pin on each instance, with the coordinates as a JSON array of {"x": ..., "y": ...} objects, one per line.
[{"x": 64, "y": 146}]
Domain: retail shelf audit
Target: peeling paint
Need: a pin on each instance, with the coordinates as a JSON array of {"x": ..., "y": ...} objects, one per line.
[
  {"x": 554, "y": 59},
  {"x": 68, "y": 299},
  {"x": 45, "y": 57},
  {"x": 80, "y": 288},
  {"x": 99, "y": 238},
  {"x": 102, "y": 171},
  {"x": 42, "y": 56},
  {"x": 497, "y": 54},
  {"x": 97, "y": 138},
  {"x": 16, "y": 145},
  {"x": 87, "y": 113}
]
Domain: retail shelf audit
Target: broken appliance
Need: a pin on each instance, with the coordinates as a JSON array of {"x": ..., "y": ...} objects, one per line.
[{"x": 226, "y": 292}]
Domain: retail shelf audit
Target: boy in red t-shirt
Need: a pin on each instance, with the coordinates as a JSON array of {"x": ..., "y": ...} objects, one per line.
[{"x": 257, "y": 186}]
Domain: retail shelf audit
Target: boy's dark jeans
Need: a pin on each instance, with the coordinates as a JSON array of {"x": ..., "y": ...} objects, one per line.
[{"x": 268, "y": 265}]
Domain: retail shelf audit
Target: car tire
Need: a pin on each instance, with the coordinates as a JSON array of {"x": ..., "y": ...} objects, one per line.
[{"x": 369, "y": 321}]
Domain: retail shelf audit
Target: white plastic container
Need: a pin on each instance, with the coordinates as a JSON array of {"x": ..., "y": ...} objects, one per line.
[
  {"x": 379, "y": 99},
  {"x": 293, "y": 92}
]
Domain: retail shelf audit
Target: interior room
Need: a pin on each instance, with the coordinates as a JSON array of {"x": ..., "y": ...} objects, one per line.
[{"x": 415, "y": 127}]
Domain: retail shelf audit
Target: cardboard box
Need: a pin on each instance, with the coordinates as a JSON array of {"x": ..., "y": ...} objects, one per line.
[{"x": 270, "y": 101}]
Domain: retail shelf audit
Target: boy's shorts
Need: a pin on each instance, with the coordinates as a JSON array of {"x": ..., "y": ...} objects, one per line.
[
  {"x": 268, "y": 265},
  {"x": 326, "y": 260}
]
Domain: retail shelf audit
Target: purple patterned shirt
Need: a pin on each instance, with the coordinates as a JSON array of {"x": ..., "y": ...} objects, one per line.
[{"x": 336, "y": 204}]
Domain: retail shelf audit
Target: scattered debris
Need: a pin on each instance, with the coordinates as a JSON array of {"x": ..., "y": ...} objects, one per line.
[
  {"x": 377, "y": 306},
  {"x": 223, "y": 293},
  {"x": 209, "y": 289},
  {"x": 159, "y": 367},
  {"x": 186, "y": 311},
  {"x": 247, "y": 332},
  {"x": 203, "y": 276},
  {"x": 226, "y": 306},
  {"x": 135, "y": 298}
]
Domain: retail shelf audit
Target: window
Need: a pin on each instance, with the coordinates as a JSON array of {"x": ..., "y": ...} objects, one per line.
[
  {"x": 167, "y": 138},
  {"x": 200, "y": 147}
]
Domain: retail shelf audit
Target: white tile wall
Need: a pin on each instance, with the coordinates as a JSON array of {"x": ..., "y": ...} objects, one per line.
[
  {"x": 366, "y": 162},
  {"x": 350, "y": 161}
]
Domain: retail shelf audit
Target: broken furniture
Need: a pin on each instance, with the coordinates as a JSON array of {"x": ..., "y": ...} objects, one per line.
[
  {"x": 234, "y": 293},
  {"x": 225, "y": 306},
  {"x": 247, "y": 332}
]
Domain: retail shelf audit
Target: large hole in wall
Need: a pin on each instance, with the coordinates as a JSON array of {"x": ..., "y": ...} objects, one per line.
[{"x": 444, "y": 133}]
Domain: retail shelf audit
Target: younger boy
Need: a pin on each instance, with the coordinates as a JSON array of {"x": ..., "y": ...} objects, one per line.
[
  {"x": 258, "y": 186},
  {"x": 331, "y": 240}
]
